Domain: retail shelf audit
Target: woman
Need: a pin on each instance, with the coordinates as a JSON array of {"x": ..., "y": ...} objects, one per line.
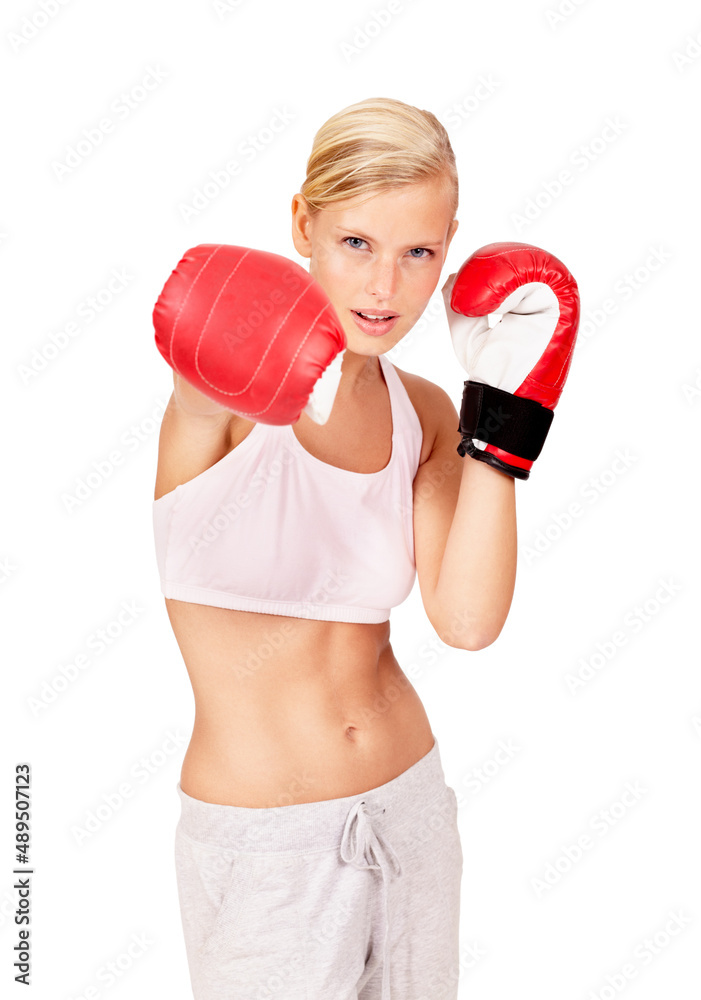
[{"x": 317, "y": 853}]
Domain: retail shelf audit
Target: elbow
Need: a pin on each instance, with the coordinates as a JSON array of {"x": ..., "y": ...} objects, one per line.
[
  {"x": 459, "y": 634},
  {"x": 483, "y": 642},
  {"x": 469, "y": 643}
]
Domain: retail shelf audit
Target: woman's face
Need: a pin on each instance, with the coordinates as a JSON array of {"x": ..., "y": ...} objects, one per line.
[{"x": 381, "y": 258}]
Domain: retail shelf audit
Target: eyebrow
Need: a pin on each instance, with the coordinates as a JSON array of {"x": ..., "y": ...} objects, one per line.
[{"x": 355, "y": 232}]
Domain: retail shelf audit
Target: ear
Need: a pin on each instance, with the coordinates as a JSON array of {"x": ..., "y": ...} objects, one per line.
[
  {"x": 451, "y": 233},
  {"x": 301, "y": 220}
]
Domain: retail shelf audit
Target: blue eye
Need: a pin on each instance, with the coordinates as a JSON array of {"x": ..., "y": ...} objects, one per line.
[{"x": 352, "y": 242}]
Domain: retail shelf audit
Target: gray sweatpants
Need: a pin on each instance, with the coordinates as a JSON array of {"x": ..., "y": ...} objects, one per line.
[{"x": 346, "y": 899}]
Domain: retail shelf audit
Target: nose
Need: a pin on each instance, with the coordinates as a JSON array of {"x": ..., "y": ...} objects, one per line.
[{"x": 382, "y": 280}]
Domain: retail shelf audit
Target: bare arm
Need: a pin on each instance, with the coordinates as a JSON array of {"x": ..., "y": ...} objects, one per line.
[
  {"x": 194, "y": 402},
  {"x": 465, "y": 532},
  {"x": 478, "y": 570},
  {"x": 195, "y": 433}
]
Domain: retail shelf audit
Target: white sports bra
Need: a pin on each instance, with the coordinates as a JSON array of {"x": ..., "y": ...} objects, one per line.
[{"x": 271, "y": 528}]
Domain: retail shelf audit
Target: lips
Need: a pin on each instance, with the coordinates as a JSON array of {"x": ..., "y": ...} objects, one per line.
[
  {"x": 374, "y": 322},
  {"x": 376, "y": 314}
]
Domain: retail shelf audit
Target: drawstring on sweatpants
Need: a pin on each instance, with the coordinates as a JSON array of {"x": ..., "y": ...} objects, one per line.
[{"x": 364, "y": 847}]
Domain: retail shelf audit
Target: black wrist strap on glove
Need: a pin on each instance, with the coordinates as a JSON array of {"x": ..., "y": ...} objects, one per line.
[{"x": 513, "y": 424}]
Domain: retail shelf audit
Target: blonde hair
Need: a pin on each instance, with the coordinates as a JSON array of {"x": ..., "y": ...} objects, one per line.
[{"x": 374, "y": 145}]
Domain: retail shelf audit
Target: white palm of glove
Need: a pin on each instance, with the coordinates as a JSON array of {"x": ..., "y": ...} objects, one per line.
[
  {"x": 503, "y": 354},
  {"x": 320, "y": 402}
]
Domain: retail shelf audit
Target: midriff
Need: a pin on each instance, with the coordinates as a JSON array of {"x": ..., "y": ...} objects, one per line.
[{"x": 291, "y": 710}]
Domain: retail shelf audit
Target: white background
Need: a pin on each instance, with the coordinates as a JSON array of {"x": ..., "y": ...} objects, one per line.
[{"x": 535, "y": 89}]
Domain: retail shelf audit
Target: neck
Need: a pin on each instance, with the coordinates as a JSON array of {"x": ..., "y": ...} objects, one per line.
[{"x": 358, "y": 371}]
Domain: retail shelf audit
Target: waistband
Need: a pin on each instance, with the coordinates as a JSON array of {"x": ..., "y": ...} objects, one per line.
[{"x": 308, "y": 826}]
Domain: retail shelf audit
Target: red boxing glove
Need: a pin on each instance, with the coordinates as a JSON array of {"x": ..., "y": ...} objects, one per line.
[
  {"x": 518, "y": 366},
  {"x": 253, "y": 331}
]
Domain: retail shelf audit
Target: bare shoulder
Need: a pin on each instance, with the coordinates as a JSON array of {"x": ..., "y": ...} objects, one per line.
[{"x": 436, "y": 412}]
